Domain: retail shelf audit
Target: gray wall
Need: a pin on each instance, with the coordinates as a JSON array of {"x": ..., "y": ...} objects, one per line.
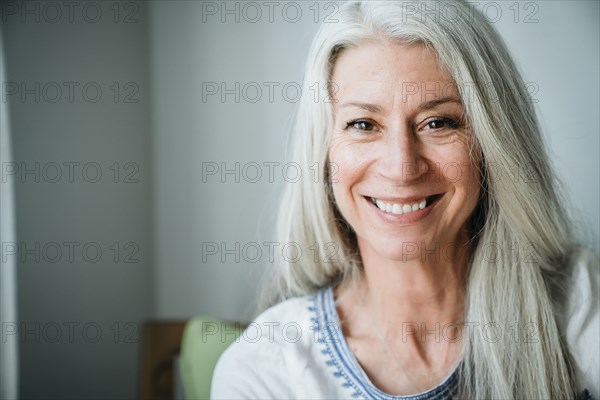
[
  {"x": 190, "y": 131},
  {"x": 559, "y": 56},
  {"x": 77, "y": 298}
]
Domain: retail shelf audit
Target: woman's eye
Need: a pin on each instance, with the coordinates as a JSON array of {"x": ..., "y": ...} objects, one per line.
[
  {"x": 361, "y": 125},
  {"x": 440, "y": 123}
]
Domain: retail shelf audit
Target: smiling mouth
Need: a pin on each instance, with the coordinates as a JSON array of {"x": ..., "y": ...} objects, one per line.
[{"x": 399, "y": 209}]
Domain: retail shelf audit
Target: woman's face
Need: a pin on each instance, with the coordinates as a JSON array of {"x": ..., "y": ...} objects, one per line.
[{"x": 403, "y": 176}]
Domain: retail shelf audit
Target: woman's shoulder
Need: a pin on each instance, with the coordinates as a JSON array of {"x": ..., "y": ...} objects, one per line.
[
  {"x": 582, "y": 318},
  {"x": 289, "y": 310},
  {"x": 583, "y": 291},
  {"x": 261, "y": 360}
]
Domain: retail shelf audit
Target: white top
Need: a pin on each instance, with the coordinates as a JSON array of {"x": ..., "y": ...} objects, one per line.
[{"x": 296, "y": 350}]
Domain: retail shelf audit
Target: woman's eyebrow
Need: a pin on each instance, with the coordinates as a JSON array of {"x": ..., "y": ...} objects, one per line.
[
  {"x": 436, "y": 102},
  {"x": 374, "y": 108}
]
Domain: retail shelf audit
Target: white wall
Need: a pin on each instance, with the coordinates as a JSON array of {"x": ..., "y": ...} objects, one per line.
[{"x": 559, "y": 53}]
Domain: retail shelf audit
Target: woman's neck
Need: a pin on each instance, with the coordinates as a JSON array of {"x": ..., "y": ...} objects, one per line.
[
  {"x": 419, "y": 290},
  {"x": 418, "y": 301}
]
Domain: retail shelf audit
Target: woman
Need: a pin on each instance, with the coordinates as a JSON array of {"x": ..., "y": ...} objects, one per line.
[{"x": 436, "y": 273}]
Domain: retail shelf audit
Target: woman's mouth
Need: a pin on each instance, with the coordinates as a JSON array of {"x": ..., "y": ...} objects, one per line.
[{"x": 405, "y": 208}]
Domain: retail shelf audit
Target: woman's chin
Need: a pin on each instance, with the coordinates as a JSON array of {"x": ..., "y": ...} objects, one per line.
[{"x": 408, "y": 249}]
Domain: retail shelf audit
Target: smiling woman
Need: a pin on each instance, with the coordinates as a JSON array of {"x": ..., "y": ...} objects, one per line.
[
  {"x": 450, "y": 279},
  {"x": 390, "y": 152}
]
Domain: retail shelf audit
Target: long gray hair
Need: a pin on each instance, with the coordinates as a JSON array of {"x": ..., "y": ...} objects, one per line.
[{"x": 521, "y": 236}]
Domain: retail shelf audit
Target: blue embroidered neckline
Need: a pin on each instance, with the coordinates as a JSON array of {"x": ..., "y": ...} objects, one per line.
[
  {"x": 327, "y": 328},
  {"x": 334, "y": 345}
]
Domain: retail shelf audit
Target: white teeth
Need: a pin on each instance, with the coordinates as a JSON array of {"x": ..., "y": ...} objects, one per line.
[{"x": 400, "y": 208}]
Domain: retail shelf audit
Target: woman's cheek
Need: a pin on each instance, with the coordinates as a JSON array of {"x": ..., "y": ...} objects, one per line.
[
  {"x": 349, "y": 163},
  {"x": 347, "y": 170}
]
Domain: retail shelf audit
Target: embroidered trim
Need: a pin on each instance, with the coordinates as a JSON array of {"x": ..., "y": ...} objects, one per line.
[
  {"x": 586, "y": 395},
  {"x": 322, "y": 327},
  {"x": 334, "y": 346},
  {"x": 338, "y": 355}
]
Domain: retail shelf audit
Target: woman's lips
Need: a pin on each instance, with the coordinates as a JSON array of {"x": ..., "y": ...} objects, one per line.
[
  {"x": 409, "y": 210},
  {"x": 404, "y": 206}
]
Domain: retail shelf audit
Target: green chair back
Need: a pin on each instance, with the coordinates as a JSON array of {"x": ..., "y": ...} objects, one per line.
[{"x": 204, "y": 340}]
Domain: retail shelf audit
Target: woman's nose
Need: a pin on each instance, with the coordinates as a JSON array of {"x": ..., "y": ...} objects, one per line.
[{"x": 401, "y": 160}]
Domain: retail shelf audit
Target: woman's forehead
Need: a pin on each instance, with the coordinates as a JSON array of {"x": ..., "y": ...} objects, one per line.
[{"x": 381, "y": 71}]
